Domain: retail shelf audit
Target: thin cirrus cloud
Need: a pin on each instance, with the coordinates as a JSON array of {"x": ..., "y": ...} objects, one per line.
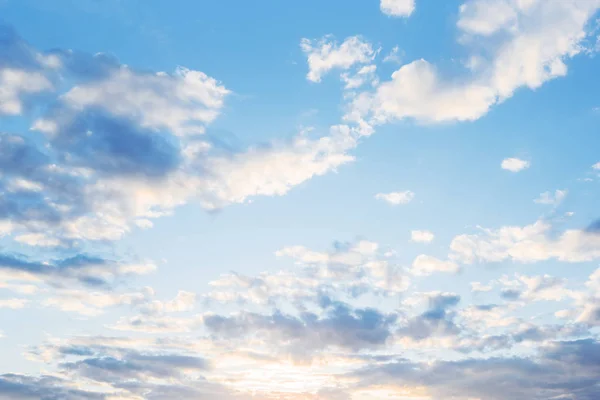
[
  {"x": 548, "y": 198},
  {"x": 396, "y": 198},
  {"x": 514, "y": 164}
]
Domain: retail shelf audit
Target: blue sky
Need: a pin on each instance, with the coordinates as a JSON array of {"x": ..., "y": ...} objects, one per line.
[{"x": 299, "y": 200}]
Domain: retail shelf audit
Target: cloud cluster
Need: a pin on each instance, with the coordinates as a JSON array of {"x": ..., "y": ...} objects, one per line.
[
  {"x": 120, "y": 147},
  {"x": 527, "y": 44},
  {"x": 341, "y": 348},
  {"x": 530, "y": 243}
]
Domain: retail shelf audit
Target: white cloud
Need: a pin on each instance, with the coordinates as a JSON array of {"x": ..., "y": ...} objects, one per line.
[
  {"x": 396, "y": 198},
  {"x": 117, "y": 202},
  {"x": 421, "y": 236},
  {"x": 531, "y": 243},
  {"x": 13, "y": 303},
  {"x": 397, "y": 8},
  {"x": 325, "y": 55},
  {"x": 184, "y": 301},
  {"x": 514, "y": 164},
  {"x": 144, "y": 223},
  {"x": 363, "y": 75},
  {"x": 393, "y": 56},
  {"x": 38, "y": 239},
  {"x": 549, "y": 199},
  {"x": 425, "y": 265},
  {"x": 415, "y": 91},
  {"x": 487, "y": 17},
  {"x": 274, "y": 171},
  {"x": 596, "y": 166},
  {"x": 182, "y": 103},
  {"x": 479, "y": 287},
  {"x": 93, "y": 303},
  {"x": 15, "y": 83},
  {"x": 526, "y": 44}
]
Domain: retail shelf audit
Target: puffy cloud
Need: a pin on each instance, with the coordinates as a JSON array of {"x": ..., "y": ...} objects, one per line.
[
  {"x": 548, "y": 198},
  {"x": 436, "y": 321},
  {"x": 349, "y": 271},
  {"x": 326, "y": 54},
  {"x": 397, "y": 8},
  {"x": 341, "y": 326},
  {"x": 23, "y": 72},
  {"x": 537, "y": 288},
  {"x": 514, "y": 164},
  {"x": 16, "y": 83},
  {"x": 427, "y": 265},
  {"x": 596, "y": 166},
  {"x": 422, "y": 236},
  {"x": 121, "y": 147},
  {"x": 527, "y": 44},
  {"x": 396, "y": 198},
  {"x": 531, "y": 243},
  {"x": 274, "y": 170},
  {"x": 415, "y": 91},
  {"x": 182, "y": 103}
]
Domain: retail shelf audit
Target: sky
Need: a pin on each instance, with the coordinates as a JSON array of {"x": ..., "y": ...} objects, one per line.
[{"x": 321, "y": 200}]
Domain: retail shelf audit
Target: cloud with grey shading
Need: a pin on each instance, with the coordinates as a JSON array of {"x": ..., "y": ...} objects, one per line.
[
  {"x": 567, "y": 369},
  {"x": 341, "y": 326}
]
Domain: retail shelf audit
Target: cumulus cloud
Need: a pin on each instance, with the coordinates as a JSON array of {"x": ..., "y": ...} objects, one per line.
[
  {"x": 24, "y": 72},
  {"x": 514, "y": 164},
  {"x": 326, "y": 54},
  {"x": 121, "y": 147},
  {"x": 436, "y": 321},
  {"x": 530, "y": 243},
  {"x": 397, "y": 8},
  {"x": 427, "y": 265},
  {"x": 341, "y": 326},
  {"x": 350, "y": 270},
  {"x": 183, "y": 102},
  {"x": 396, "y": 198},
  {"x": 422, "y": 236},
  {"x": 527, "y": 44},
  {"x": 274, "y": 170}
]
